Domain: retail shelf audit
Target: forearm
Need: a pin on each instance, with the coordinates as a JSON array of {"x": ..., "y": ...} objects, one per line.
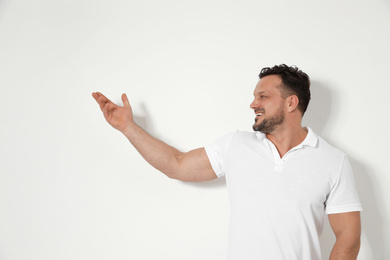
[
  {"x": 345, "y": 249},
  {"x": 157, "y": 153}
]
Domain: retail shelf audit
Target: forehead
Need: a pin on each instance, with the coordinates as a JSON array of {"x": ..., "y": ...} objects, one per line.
[{"x": 268, "y": 84}]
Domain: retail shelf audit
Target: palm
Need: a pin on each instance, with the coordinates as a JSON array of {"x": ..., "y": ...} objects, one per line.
[{"x": 117, "y": 116}]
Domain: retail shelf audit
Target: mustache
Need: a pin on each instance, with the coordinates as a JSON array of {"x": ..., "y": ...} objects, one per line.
[{"x": 259, "y": 110}]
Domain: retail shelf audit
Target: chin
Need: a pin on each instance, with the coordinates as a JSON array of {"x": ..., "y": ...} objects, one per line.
[{"x": 255, "y": 127}]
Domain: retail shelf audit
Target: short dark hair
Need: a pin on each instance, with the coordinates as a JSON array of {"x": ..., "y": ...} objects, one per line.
[{"x": 295, "y": 82}]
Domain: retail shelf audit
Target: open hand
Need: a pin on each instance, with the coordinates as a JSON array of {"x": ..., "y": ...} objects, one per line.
[{"x": 118, "y": 117}]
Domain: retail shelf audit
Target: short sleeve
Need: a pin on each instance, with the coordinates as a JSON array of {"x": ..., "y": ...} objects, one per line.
[
  {"x": 216, "y": 154},
  {"x": 343, "y": 196}
]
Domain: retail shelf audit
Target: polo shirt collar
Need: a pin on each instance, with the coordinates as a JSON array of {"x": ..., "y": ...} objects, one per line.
[{"x": 310, "y": 140}]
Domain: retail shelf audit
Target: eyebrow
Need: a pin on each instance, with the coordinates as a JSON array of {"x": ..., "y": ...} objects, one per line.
[{"x": 259, "y": 93}]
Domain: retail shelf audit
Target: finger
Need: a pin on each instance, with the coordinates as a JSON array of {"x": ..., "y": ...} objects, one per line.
[
  {"x": 101, "y": 99},
  {"x": 95, "y": 96},
  {"x": 125, "y": 101}
]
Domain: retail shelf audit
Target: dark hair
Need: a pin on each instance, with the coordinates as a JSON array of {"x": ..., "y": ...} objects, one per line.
[{"x": 295, "y": 82}]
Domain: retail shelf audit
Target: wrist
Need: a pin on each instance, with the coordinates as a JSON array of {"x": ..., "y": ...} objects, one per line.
[{"x": 128, "y": 131}]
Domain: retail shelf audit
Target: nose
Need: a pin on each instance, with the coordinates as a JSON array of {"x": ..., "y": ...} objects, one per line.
[{"x": 254, "y": 104}]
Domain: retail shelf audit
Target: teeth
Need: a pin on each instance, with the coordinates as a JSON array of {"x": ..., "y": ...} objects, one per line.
[{"x": 259, "y": 114}]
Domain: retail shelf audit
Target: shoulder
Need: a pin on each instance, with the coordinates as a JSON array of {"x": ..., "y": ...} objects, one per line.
[
  {"x": 240, "y": 135},
  {"x": 244, "y": 137},
  {"x": 327, "y": 154},
  {"x": 328, "y": 149},
  {"x": 236, "y": 138}
]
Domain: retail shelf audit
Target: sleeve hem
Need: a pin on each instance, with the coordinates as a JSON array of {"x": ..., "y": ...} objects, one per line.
[
  {"x": 217, "y": 170},
  {"x": 345, "y": 209}
]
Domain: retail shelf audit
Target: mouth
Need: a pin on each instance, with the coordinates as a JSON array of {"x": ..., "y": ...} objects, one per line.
[
  {"x": 258, "y": 115},
  {"x": 259, "y": 112}
]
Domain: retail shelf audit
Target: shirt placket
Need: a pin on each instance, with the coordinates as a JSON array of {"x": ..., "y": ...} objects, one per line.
[{"x": 280, "y": 162}]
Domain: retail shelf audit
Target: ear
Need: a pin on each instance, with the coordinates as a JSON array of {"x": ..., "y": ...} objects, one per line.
[{"x": 292, "y": 103}]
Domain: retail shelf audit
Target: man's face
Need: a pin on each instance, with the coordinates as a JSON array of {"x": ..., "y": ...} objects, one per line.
[{"x": 268, "y": 104}]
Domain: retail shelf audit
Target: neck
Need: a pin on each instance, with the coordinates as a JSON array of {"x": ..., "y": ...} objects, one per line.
[{"x": 287, "y": 137}]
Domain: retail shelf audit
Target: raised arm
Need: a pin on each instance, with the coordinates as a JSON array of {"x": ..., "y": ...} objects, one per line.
[
  {"x": 190, "y": 166},
  {"x": 346, "y": 227}
]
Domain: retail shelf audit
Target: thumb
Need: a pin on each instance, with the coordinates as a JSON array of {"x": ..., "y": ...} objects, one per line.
[{"x": 125, "y": 101}]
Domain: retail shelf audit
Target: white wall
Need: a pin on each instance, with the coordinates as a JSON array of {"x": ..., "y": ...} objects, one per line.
[{"x": 71, "y": 187}]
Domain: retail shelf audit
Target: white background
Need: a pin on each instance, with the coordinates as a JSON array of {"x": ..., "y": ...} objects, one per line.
[{"x": 72, "y": 187}]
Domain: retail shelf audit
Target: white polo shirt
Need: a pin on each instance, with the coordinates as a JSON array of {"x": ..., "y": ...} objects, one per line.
[{"x": 277, "y": 205}]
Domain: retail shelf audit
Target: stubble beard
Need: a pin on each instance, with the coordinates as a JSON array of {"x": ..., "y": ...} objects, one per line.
[{"x": 269, "y": 125}]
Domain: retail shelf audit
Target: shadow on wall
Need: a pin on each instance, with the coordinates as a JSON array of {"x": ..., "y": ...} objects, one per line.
[
  {"x": 372, "y": 221},
  {"x": 323, "y": 104},
  {"x": 144, "y": 121}
]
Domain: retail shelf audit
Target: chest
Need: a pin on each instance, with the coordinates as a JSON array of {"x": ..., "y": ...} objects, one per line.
[{"x": 258, "y": 179}]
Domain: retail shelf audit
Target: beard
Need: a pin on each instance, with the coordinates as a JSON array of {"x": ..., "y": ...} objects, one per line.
[{"x": 269, "y": 125}]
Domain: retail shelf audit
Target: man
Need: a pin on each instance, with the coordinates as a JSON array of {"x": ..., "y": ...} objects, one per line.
[{"x": 281, "y": 179}]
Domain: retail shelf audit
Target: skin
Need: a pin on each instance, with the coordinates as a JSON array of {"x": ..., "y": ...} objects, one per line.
[
  {"x": 268, "y": 98},
  {"x": 347, "y": 229},
  {"x": 194, "y": 165}
]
